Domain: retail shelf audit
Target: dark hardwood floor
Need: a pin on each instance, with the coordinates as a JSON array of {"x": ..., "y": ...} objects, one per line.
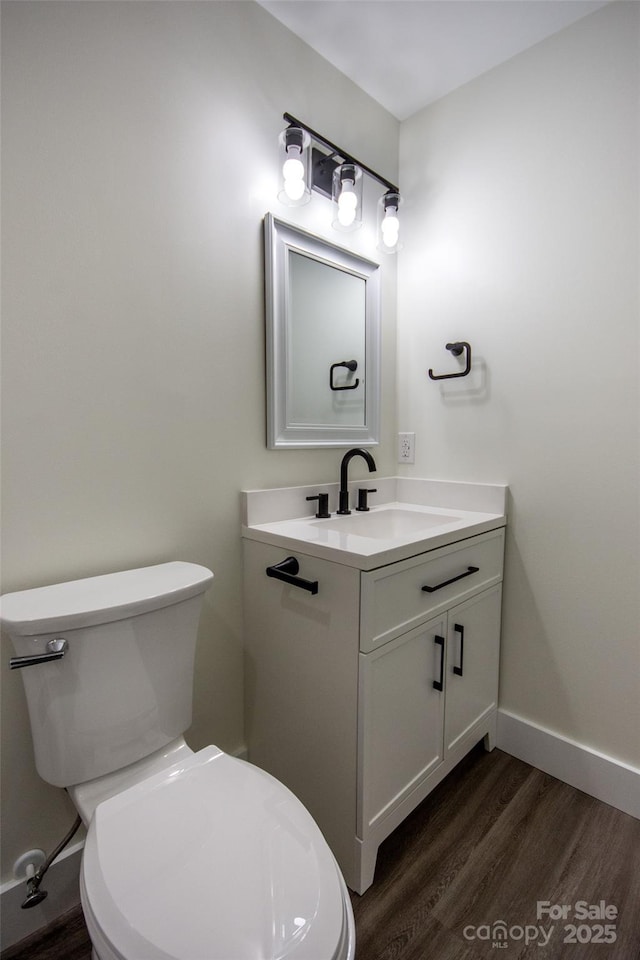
[
  {"x": 66, "y": 939},
  {"x": 492, "y": 840},
  {"x": 461, "y": 878}
]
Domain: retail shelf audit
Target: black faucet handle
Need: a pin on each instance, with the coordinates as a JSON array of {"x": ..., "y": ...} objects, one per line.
[
  {"x": 323, "y": 505},
  {"x": 362, "y": 498}
]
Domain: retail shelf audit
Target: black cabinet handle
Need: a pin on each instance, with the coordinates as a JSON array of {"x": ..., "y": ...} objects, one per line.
[
  {"x": 439, "y": 684},
  {"x": 459, "y": 629},
  {"x": 286, "y": 570},
  {"x": 446, "y": 583}
]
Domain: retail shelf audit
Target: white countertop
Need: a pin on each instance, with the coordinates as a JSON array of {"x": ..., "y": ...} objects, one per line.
[{"x": 445, "y": 512}]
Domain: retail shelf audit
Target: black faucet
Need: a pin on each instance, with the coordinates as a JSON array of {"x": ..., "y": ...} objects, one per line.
[{"x": 344, "y": 467}]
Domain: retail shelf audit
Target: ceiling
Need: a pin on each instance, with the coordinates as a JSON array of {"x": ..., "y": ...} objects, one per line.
[{"x": 408, "y": 53}]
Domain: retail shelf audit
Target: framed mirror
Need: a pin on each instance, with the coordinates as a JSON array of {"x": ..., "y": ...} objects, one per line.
[{"x": 323, "y": 341}]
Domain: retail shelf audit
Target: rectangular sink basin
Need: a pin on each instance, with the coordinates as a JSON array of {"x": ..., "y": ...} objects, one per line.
[
  {"x": 388, "y": 524},
  {"x": 407, "y": 517}
]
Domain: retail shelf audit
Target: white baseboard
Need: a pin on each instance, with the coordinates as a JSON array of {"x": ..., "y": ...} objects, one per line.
[
  {"x": 61, "y": 883},
  {"x": 602, "y": 777}
]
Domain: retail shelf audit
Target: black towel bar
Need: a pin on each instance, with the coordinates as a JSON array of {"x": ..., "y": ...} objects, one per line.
[{"x": 286, "y": 570}]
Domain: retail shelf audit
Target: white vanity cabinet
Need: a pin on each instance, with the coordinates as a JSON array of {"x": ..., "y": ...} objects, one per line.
[{"x": 362, "y": 697}]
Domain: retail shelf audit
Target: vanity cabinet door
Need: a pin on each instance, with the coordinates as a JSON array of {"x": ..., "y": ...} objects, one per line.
[
  {"x": 473, "y": 651},
  {"x": 401, "y": 719}
]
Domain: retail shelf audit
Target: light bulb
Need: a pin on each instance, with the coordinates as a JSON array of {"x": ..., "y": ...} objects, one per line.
[
  {"x": 293, "y": 173},
  {"x": 294, "y": 189},
  {"x": 390, "y": 228},
  {"x": 347, "y": 197},
  {"x": 293, "y": 168},
  {"x": 347, "y": 204}
]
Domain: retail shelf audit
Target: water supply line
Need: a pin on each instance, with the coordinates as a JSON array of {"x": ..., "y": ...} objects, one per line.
[{"x": 34, "y": 894}]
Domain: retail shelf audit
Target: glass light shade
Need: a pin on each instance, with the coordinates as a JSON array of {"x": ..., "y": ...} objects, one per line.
[
  {"x": 347, "y": 197},
  {"x": 389, "y": 222},
  {"x": 294, "y": 159}
]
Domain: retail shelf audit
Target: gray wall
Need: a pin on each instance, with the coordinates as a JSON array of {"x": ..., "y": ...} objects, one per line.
[
  {"x": 522, "y": 230},
  {"x": 140, "y": 155}
]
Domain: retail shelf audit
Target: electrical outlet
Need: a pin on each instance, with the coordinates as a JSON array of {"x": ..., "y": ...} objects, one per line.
[{"x": 406, "y": 448}]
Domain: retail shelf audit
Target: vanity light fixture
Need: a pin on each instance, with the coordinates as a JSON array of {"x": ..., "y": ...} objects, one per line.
[{"x": 338, "y": 176}]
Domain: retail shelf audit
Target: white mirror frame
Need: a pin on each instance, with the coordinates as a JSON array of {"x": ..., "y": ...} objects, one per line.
[{"x": 282, "y": 239}]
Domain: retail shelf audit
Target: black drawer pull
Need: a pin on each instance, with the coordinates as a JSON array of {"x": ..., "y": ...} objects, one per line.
[
  {"x": 446, "y": 583},
  {"x": 458, "y": 628},
  {"x": 439, "y": 684},
  {"x": 286, "y": 570}
]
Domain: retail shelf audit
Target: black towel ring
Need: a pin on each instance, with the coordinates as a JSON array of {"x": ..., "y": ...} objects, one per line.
[
  {"x": 350, "y": 365},
  {"x": 456, "y": 349}
]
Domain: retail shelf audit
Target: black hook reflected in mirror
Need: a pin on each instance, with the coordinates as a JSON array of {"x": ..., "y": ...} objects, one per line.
[
  {"x": 456, "y": 349},
  {"x": 350, "y": 365}
]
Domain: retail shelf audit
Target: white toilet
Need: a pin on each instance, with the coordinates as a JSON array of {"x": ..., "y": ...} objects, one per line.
[{"x": 189, "y": 856}]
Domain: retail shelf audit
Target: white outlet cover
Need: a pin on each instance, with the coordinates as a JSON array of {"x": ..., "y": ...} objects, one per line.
[{"x": 406, "y": 447}]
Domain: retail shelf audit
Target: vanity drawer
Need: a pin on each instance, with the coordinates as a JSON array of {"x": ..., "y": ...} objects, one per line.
[{"x": 392, "y": 598}]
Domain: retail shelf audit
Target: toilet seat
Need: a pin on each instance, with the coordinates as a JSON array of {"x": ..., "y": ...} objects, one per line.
[{"x": 212, "y": 859}]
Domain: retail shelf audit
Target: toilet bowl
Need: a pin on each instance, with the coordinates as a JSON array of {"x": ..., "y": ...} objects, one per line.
[
  {"x": 188, "y": 856},
  {"x": 212, "y": 859}
]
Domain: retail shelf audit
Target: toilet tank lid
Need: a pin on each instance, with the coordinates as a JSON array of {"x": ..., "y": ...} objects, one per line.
[{"x": 103, "y": 599}]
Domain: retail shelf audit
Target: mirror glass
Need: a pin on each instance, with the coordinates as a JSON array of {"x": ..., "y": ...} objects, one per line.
[{"x": 323, "y": 341}]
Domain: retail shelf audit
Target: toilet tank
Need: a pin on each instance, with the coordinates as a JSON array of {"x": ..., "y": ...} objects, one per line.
[{"x": 125, "y": 685}]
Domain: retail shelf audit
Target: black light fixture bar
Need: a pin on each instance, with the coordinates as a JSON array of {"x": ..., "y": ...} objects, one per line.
[{"x": 338, "y": 151}]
